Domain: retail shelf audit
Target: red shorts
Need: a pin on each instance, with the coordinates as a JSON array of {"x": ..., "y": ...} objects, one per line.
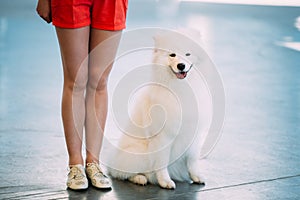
[{"x": 99, "y": 14}]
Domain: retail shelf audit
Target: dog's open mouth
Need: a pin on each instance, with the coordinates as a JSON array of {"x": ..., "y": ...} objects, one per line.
[{"x": 181, "y": 75}]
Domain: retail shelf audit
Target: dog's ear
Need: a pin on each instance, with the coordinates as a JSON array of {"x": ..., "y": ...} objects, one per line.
[
  {"x": 158, "y": 39},
  {"x": 160, "y": 42},
  {"x": 164, "y": 41},
  {"x": 154, "y": 38},
  {"x": 155, "y": 43}
]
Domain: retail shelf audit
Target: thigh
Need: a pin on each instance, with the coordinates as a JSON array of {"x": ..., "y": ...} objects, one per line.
[
  {"x": 103, "y": 48},
  {"x": 74, "y": 47}
]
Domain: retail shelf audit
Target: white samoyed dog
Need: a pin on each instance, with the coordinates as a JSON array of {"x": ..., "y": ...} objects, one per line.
[{"x": 157, "y": 151}]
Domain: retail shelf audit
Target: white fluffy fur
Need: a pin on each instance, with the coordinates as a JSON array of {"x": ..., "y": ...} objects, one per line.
[{"x": 137, "y": 150}]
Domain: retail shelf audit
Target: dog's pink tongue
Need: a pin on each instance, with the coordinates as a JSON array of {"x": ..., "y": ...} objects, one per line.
[{"x": 181, "y": 75}]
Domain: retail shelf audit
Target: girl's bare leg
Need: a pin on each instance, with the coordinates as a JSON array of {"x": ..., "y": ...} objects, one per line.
[
  {"x": 74, "y": 46},
  {"x": 100, "y": 62}
]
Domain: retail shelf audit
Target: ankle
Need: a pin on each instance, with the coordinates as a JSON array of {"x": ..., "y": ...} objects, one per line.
[
  {"x": 75, "y": 160},
  {"x": 91, "y": 159}
]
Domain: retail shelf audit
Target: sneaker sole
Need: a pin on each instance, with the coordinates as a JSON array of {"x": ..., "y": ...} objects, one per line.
[{"x": 79, "y": 189}]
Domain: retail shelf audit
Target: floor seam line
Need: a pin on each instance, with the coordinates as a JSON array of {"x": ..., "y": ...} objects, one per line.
[{"x": 249, "y": 183}]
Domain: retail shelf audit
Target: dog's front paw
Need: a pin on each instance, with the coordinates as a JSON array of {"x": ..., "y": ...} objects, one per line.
[
  {"x": 197, "y": 179},
  {"x": 167, "y": 184},
  {"x": 139, "y": 179}
]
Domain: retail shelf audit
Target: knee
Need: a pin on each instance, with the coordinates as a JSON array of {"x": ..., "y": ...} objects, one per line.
[
  {"x": 77, "y": 84},
  {"x": 98, "y": 85}
]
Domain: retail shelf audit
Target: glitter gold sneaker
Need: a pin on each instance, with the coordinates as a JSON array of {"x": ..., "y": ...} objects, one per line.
[
  {"x": 95, "y": 174},
  {"x": 76, "y": 178}
]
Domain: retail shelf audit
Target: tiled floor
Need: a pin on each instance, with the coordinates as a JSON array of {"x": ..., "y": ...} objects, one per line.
[{"x": 258, "y": 156}]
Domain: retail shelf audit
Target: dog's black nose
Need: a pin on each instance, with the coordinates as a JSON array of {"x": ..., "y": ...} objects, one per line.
[{"x": 180, "y": 66}]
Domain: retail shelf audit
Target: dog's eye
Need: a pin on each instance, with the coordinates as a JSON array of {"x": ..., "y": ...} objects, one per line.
[
  {"x": 187, "y": 54},
  {"x": 172, "y": 55}
]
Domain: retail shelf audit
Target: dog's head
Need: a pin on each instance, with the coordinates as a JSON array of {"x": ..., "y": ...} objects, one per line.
[
  {"x": 179, "y": 66},
  {"x": 170, "y": 52},
  {"x": 178, "y": 63}
]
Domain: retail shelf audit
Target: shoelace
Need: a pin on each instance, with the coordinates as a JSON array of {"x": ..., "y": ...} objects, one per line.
[
  {"x": 98, "y": 169},
  {"x": 75, "y": 172}
]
